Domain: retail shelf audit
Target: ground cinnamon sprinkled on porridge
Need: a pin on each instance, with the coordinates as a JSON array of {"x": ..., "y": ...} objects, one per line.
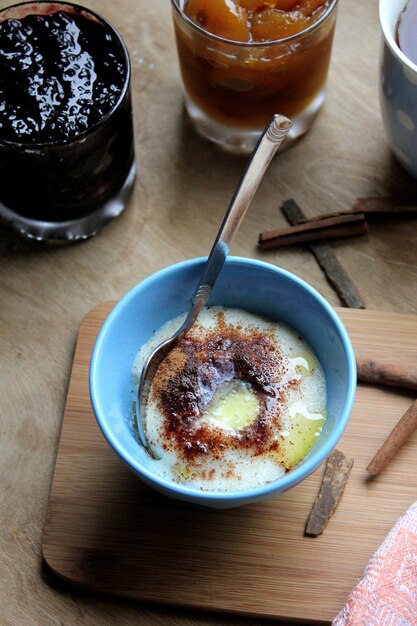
[{"x": 218, "y": 413}]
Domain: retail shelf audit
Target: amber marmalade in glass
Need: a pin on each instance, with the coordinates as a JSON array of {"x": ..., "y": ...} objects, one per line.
[{"x": 268, "y": 56}]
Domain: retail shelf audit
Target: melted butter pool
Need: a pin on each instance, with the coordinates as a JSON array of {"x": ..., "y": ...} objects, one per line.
[
  {"x": 234, "y": 406},
  {"x": 305, "y": 428}
]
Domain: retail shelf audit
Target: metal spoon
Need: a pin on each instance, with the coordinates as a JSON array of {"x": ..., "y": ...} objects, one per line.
[{"x": 269, "y": 142}]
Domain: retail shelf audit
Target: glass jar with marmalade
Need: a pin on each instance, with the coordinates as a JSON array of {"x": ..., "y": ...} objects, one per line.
[{"x": 242, "y": 61}]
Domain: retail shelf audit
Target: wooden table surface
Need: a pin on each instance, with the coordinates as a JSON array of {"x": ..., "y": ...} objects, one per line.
[{"x": 183, "y": 187}]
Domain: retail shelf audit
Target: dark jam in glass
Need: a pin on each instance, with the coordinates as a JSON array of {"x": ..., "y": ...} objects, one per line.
[
  {"x": 66, "y": 140},
  {"x": 53, "y": 84},
  {"x": 407, "y": 31}
]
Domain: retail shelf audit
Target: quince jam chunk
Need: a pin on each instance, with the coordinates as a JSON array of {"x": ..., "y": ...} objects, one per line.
[
  {"x": 255, "y": 20},
  {"x": 219, "y": 17}
]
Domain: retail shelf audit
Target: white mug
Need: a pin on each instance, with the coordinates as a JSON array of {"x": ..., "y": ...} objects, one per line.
[{"x": 398, "y": 89}]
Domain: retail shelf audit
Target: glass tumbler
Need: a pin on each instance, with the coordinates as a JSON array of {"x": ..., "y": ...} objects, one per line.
[
  {"x": 232, "y": 88},
  {"x": 69, "y": 187}
]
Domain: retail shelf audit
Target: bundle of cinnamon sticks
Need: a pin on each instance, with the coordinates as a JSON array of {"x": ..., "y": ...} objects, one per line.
[
  {"x": 314, "y": 232},
  {"x": 337, "y": 224}
]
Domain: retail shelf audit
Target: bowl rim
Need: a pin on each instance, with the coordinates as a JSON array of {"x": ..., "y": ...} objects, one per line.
[
  {"x": 389, "y": 15},
  {"x": 282, "y": 484}
]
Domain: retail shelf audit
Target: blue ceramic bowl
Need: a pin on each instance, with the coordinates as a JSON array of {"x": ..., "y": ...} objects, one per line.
[{"x": 244, "y": 283}]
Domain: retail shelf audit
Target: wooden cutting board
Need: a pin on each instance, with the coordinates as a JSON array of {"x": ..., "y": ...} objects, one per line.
[{"x": 107, "y": 532}]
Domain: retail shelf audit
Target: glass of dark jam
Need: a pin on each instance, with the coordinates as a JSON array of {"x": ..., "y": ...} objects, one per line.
[{"x": 67, "y": 162}]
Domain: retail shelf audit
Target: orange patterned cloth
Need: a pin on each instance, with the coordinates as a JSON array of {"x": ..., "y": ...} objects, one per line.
[{"x": 387, "y": 593}]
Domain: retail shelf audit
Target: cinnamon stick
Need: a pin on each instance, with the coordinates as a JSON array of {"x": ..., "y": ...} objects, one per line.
[
  {"x": 334, "y": 481},
  {"x": 401, "y": 432},
  {"x": 385, "y": 205},
  {"x": 328, "y": 261},
  {"x": 370, "y": 371},
  {"x": 326, "y": 228},
  {"x": 370, "y": 206}
]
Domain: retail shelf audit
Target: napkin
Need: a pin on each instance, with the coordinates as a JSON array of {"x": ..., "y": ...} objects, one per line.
[{"x": 387, "y": 593}]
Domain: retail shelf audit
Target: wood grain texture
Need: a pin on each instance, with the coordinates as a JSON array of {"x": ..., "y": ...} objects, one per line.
[
  {"x": 182, "y": 190},
  {"x": 107, "y": 532}
]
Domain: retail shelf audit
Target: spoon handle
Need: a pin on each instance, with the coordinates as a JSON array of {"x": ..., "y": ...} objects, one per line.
[{"x": 268, "y": 144}]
